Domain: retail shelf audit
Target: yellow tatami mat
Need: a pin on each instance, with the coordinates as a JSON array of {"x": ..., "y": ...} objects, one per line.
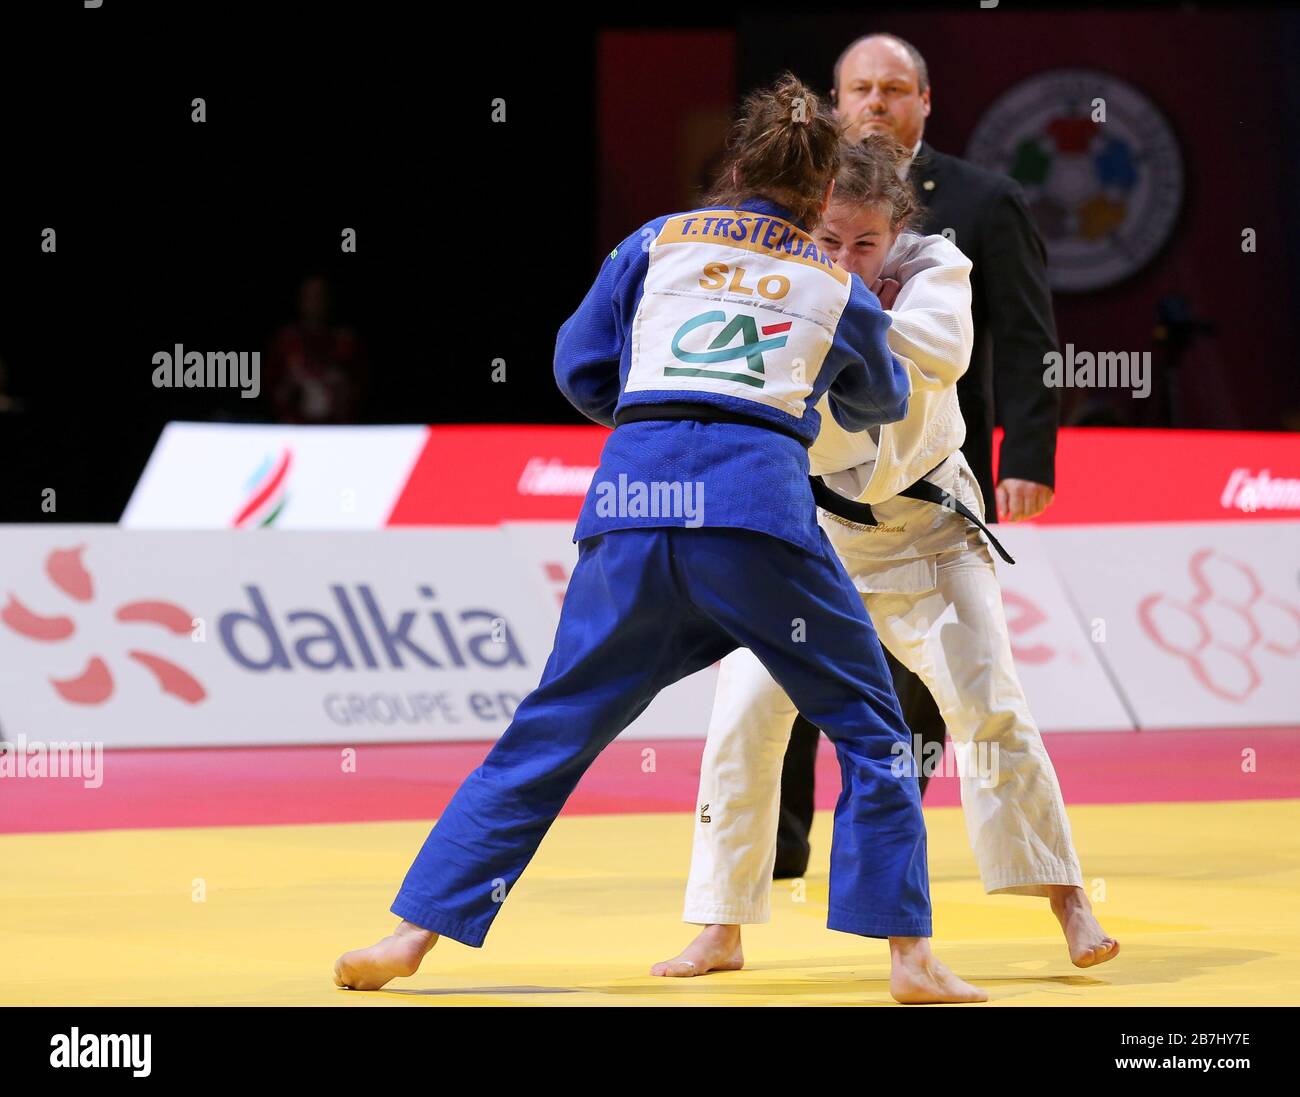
[{"x": 1205, "y": 898}]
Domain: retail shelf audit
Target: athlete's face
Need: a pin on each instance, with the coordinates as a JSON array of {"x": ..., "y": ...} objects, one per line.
[
  {"x": 857, "y": 237},
  {"x": 879, "y": 92}
]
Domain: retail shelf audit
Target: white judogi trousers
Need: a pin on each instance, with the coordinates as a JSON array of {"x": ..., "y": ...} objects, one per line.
[{"x": 954, "y": 637}]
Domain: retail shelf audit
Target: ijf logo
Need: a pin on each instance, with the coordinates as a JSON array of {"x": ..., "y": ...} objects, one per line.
[
  {"x": 723, "y": 348},
  {"x": 1104, "y": 193},
  {"x": 94, "y": 685}
]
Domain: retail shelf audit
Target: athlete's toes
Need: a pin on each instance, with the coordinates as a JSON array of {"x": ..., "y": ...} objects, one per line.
[{"x": 675, "y": 969}]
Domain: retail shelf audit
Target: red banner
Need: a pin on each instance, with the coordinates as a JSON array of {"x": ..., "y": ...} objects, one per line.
[{"x": 482, "y": 475}]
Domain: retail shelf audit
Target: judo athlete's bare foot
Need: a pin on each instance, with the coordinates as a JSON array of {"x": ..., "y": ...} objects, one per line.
[
  {"x": 917, "y": 976},
  {"x": 397, "y": 955},
  {"x": 716, "y": 948},
  {"x": 1088, "y": 943}
]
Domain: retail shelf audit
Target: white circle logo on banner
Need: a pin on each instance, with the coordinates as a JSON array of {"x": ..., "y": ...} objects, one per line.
[{"x": 1100, "y": 168}]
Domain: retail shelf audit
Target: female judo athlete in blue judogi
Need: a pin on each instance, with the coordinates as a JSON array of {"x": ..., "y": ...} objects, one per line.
[{"x": 706, "y": 341}]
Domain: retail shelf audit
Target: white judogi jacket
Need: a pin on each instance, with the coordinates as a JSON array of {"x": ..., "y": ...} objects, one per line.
[{"x": 931, "y": 331}]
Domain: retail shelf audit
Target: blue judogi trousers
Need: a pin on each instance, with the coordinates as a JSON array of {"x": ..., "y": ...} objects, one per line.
[{"x": 644, "y": 608}]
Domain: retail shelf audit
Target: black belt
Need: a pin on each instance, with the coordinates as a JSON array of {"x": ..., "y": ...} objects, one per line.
[
  {"x": 823, "y": 496},
  {"x": 843, "y": 507},
  {"x": 702, "y": 413}
]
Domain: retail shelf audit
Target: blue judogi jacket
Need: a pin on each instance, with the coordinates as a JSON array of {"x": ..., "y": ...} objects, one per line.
[{"x": 737, "y": 311}]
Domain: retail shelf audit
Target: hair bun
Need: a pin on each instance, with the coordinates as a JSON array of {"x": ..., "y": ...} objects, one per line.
[{"x": 785, "y": 146}]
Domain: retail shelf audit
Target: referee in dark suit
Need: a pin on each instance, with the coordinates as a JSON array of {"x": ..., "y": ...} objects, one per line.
[{"x": 882, "y": 85}]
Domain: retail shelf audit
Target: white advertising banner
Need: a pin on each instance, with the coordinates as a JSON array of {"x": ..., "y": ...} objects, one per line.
[
  {"x": 1200, "y": 622},
  {"x": 1065, "y": 681},
  {"x": 241, "y": 476},
  {"x": 142, "y": 638},
  {"x": 135, "y": 638}
]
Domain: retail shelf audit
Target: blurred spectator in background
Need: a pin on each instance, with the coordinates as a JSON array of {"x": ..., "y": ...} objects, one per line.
[
  {"x": 315, "y": 372},
  {"x": 8, "y": 404}
]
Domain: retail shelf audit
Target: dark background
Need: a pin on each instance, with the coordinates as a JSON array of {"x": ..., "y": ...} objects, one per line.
[{"x": 477, "y": 240}]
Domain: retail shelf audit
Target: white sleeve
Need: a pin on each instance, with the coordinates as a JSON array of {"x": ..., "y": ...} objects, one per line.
[
  {"x": 837, "y": 449},
  {"x": 931, "y": 323}
]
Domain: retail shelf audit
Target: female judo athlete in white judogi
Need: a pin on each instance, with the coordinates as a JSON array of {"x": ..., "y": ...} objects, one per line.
[
  {"x": 928, "y": 582},
  {"x": 708, "y": 340}
]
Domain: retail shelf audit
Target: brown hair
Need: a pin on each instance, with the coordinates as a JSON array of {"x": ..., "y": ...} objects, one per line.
[
  {"x": 784, "y": 146},
  {"x": 868, "y": 176}
]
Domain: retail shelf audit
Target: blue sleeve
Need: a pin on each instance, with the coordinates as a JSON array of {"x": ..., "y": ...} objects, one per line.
[
  {"x": 872, "y": 386},
  {"x": 589, "y": 347}
]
